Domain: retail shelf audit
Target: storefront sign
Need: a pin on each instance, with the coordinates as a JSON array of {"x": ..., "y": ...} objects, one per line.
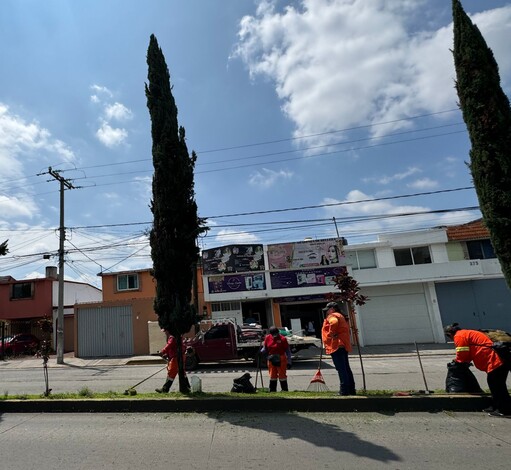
[
  {"x": 236, "y": 283},
  {"x": 233, "y": 259},
  {"x": 305, "y": 254},
  {"x": 305, "y": 278}
]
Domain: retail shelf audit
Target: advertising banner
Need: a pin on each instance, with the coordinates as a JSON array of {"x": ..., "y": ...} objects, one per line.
[
  {"x": 236, "y": 283},
  {"x": 233, "y": 259},
  {"x": 307, "y": 254},
  {"x": 305, "y": 278}
]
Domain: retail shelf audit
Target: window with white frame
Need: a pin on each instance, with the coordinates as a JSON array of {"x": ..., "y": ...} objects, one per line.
[
  {"x": 127, "y": 282},
  {"x": 361, "y": 259},
  {"x": 411, "y": 256}
]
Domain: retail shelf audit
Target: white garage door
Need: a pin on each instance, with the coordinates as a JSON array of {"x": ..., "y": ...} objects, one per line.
[{"x": 395, "y": 315}]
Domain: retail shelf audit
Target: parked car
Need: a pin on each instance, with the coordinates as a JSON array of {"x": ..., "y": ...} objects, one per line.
[{"x": 22, "y": 343}]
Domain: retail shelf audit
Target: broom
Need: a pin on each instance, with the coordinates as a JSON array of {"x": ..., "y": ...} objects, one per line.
[{"x": 317, "y": 384}]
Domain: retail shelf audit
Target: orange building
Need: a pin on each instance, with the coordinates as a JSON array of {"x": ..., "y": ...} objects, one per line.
[{"x": 119, "y": 324}]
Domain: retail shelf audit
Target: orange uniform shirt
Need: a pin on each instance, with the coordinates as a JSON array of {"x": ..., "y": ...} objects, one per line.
[
  {"x": 472, "y": 345},
  {"x": 336, "y": 333}
]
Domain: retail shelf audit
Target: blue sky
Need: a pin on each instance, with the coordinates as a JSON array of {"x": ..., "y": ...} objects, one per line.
[{"x": 297, "y": 110}]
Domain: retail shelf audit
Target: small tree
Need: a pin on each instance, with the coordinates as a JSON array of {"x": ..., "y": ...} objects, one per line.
[
  {"x": 487, "y": 114},
  {"x": 176, "y": 224},
  {"x": 349, "y": 294}
]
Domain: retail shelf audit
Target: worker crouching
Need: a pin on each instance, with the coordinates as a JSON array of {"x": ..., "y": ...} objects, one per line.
[
  {"x": 169, "y": 352},
  {"x": 279, "y": 358}
]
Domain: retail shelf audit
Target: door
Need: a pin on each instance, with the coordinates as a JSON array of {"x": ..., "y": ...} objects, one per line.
[
  {"x": 457, "y": 304},
  {"x": 105, "y": 332},
  {"x": 395, "y": 315},
  {"x": 217, "y": 344},
  {"x": 484, "y": 303}
]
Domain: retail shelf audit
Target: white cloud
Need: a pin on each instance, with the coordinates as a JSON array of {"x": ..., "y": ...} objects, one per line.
[
  {"x": 101, "y": 90},
  {"x": 107, "y": 134},
  {"x": 266, "y": 178},
  {"x": 12, "y": 207},
  {"x": 324, "y": 56},
  {"x": 423, "y": 183},
  {"x": 385, "y": 179},
  {"x": 22, "y": 144},
  {"x": 231, "y": 236},
  {"x": 111, "y": 136},
  {"x": 118, "y": 111}
]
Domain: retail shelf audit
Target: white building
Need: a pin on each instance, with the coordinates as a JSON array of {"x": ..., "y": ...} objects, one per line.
[{"x": 416, "y": 282}]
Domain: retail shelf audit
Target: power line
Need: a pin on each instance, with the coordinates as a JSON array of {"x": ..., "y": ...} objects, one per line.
[
  {"x": 345, "y": 203},
  {"x": 365, "y": 126}
]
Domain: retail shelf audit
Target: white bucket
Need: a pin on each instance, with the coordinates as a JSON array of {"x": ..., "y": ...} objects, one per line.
[{"x": 195, "y": 384}]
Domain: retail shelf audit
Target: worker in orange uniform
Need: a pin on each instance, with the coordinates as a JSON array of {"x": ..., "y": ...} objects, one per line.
[
  {"x": 335, "y": 334},
  {"x": 474, "y": 346},
  {"x": 279, "y": 358},
  {"x": 169, "y": 352}
]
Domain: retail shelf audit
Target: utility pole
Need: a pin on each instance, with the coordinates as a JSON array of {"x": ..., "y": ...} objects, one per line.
[{"x": 62, "y": 236}]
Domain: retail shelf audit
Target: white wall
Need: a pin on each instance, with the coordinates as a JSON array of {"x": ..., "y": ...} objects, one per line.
[{"x": 75, "y": 292}]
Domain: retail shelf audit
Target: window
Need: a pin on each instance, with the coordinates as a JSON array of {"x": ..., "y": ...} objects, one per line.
[
  {"x": 410, "y": 256},
  {"x": 217, "y": 332},
  {"x": 127, "y": 282},
  {"x": 480, "y": 249},
  {"x": 22, "y": 290},
  {"x": 225, "y": 306},
  {"x": 363, "y": 259}
]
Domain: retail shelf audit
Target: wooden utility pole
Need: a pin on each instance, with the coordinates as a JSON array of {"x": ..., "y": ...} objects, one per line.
[{"x": 64, "y": 184}]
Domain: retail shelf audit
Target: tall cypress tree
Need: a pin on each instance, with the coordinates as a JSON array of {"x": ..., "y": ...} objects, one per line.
[
  {"x": 176, "y": 225},
  {"x": 487, "y": 114}
]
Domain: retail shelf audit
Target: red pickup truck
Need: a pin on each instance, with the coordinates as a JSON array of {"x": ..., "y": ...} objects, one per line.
[{"x": 225, "y": 340}]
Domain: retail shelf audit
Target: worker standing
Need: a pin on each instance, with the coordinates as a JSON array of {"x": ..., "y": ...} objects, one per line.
[
  {"x": 279, "y": 358},
  {"x": 335, "y": 334},
  {"x": 474, "y": 346},
  {"x": 169, "y": 352}
]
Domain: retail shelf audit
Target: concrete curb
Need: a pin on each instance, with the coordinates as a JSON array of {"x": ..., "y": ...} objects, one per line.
[{"x": 252, "y": 404}]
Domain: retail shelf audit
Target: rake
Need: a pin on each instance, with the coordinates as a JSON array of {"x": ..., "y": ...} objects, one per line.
[
  {"x": 317, "y": 384},
  {"x": 132, "y": 391}
]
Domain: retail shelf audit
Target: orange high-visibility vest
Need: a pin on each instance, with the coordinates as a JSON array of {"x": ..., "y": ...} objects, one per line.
[{"x": 335, "y": 333}]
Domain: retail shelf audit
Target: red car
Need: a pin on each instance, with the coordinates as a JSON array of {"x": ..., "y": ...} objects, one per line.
[{"x": 22, "y": 343}]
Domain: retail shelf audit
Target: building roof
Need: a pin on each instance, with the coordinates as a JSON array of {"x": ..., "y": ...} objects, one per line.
[{"x": 474, "y": 230}]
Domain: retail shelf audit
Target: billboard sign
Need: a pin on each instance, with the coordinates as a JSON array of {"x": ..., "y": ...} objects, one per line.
[
  {"x": 306, "y": 254},
  {"x": 232, "y": 259}
]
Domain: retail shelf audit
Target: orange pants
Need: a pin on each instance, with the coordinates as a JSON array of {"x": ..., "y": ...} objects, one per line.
[
  {"x": 278, "y": 372},
  {"x": 172, "y": 368}
]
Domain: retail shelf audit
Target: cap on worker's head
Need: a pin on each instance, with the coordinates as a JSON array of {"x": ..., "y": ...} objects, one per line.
[
  {"x": 274, "y": 331},
  {"x": 449, "y": 330},
  {"x": 330, "y": 305}
]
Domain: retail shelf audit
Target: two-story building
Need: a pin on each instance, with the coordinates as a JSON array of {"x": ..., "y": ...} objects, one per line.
[
  {"x": 120, "y": 324},
  {"x": 416, "y": 282},
  {"x": 24, "y": 302}
]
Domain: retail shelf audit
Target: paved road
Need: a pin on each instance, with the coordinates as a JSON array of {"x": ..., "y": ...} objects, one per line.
[
  {"x": 254, "y": 441},
  {"x": 382, "y": 372}
]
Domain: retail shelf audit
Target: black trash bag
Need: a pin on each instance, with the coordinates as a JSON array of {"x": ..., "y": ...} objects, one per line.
[
  {"x": 460, "y": 379},
  {"x": 503, "y": 349},
  {"x": 243, "y": 385}
]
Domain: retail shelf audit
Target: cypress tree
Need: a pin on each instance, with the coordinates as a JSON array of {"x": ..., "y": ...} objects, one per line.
[
  {"x": 487, "y": 114},
  {"x": 175, "y": 222}
]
